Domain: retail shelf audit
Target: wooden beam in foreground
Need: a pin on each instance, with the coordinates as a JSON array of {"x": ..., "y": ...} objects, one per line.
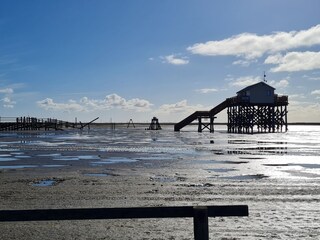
[{"x": 199, "y": 214}]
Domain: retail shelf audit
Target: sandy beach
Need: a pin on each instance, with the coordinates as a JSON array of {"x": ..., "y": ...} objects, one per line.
[{"x": 86, "y": 176}]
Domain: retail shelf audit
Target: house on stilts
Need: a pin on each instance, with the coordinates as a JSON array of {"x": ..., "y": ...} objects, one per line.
[{"x": 255, "y": 108}]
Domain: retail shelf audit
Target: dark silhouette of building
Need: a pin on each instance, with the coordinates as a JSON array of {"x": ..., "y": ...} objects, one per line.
[
  {"x": 154, "y": 125},
  {"x": 256, "y": 105}
]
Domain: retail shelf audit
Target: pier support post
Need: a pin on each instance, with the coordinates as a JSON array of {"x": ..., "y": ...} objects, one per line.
[
  {"x": 201, "y": 223},
  {"x": 211, "y": 124},
  {"x": 199, "y": 124}
]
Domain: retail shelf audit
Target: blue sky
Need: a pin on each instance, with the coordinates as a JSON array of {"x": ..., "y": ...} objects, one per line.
[{"x": 138, "y": 59}]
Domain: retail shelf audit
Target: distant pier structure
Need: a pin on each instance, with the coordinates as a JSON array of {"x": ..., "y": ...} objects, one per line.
[
  {"x": 32, "y": 123},
  {"x": 154, "y": 125},
  {"x": 255, "y": 108}
]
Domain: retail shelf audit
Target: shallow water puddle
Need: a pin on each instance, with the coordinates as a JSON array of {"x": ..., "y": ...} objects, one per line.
[
  {"x": 66, "y": 158},
  {"x": 53, "y": 165},
  {"x": 303, "y": 174},
  {"x": 5, "y": 155},
  {"x": 18, "y": 166},
  {"x": 96, "y": 174},
  {"x": 163, "y": 179},
  {"x": 49, "y": 144},
  {"x": 156, "y": 157},
  {"x": 276, "y": 164},
  {"x": 31, "y": 166},
  {"x": 246, "y": 177},
  {"x": 252, "y": 158},
  {"x": 44, "y": 183},
  {"x": 114, "y": 161},
  {"x": 9, "y": 150},
  {"x": 89, "y": 157},
  {"x": 49, "y": 155},
  {"x": 235, "y": 162},
  {"x": 12, "y": 156},
  {"x": 22, "y": 156},
  {"x": 220, "y": 170},
  {"x": 5, "y": 159},
  {"x": 59, "y": 157},
  {"x": 305, "y": 165}
]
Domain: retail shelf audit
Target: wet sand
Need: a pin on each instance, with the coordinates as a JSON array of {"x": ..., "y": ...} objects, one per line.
[
  {"x": 64, "y": 177},
  {"x": 277, "y": 210}
]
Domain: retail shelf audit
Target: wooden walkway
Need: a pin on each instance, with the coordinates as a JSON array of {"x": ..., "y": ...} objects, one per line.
[
  {"x": 33, "y": 124},
  {"x": 202, "y": 115}
]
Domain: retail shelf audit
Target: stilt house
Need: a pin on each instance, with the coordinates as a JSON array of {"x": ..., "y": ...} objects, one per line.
[{"x": 256, "y": 105}]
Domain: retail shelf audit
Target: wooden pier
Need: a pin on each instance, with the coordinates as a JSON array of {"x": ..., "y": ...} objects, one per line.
[
  {"x": 268, "y": 118},
  {"x": 202, "y": 116},
  {"x": 254, "y": 106},
  {"x": 33, "y": 124}
]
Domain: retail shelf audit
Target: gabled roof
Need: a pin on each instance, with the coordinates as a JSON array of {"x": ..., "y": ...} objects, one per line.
[{"x": 254, "y": 85}]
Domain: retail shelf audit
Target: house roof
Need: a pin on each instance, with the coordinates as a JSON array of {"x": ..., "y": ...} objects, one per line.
[{"x": 254, "y": 85}]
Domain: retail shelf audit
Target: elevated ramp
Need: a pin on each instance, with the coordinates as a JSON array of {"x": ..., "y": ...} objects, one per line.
[{"x": 201, "y": 114}]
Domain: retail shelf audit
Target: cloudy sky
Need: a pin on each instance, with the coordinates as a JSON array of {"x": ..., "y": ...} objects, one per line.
[{"x": 135, "y": 59}]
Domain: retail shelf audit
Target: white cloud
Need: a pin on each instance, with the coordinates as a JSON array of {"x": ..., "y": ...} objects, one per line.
[
  {"x": 207, "y": 90},
  {"x": 243, "y": 63},
  {"x": 139, "y": 104},
  {"x": 274, "y": 59},
  {"x": 315, "y": 78},
  {"x": 250, "y": 45},
  {"x": 279, "y": 84},
  {"x": 250, "y": 80},
  {"x": 297, "y": 96},
  {"x": 6, "y": 90},
  {"x": 49, "y": 104},
  {"x": 295, "y": 61},
  {"x": 282, "y": 83},
  {"x": 172, "y": 59},
  {"x": 7, "y": 102},
  {"x": 87, "y": 105},
  {"x": 315, "y": 92},
  {"x": 114, "y": 100},
  {"x": 244, "y": 81},
  {"x": 304, "y": 112},
  {"x": 179, "y": 107}
]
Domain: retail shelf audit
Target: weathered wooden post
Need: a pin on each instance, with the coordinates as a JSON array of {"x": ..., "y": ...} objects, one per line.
[
  {"x": 211, "y": 124},
  {"x": 200, "y": 214},
  {"x": 199, "y": 124},
  {"x": 200, "y": 223},
  {"x": 130, "y": 121}
]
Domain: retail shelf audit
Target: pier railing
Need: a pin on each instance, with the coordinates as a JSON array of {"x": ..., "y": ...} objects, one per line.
[
  {"x": 32, "y": 123},
  {"x": 278, "y": 100},
  {"x": 281, "y": 100},
  {"x": 199, "y": 214}
]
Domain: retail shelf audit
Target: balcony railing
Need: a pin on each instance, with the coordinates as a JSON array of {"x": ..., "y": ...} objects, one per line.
[{"x": 278, "y": 100}]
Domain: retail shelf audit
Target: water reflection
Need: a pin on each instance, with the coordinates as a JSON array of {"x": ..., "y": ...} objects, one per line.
[
  {"x": 44, "y": 183},
  {"x": 259, "y": 150},
  {"x": 280, "y": 155}
]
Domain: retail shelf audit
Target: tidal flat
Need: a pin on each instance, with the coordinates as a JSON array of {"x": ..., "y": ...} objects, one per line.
[{"x": 277, "y": 175}]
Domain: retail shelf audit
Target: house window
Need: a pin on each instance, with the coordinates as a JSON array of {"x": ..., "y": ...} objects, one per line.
[
  {"x": 247, "y": 93},
  {"x": 268, "y": 93}
]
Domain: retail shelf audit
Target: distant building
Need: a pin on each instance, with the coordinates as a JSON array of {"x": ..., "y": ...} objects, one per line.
[
  {"x": 259, "y": 93},
  {"x": 256, "y": 106},
  {"x": 154, "y": 125}
]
